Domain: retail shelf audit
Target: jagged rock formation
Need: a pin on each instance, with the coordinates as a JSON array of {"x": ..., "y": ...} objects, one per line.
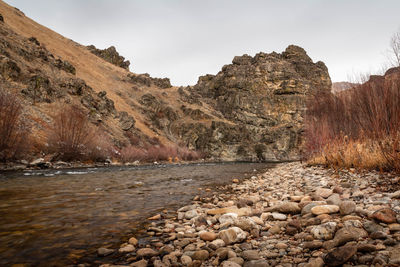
[
  {"x": 145, "y": 79},
  {"x": 111, "y": 55},
  {"x": 262, "y": 99}
]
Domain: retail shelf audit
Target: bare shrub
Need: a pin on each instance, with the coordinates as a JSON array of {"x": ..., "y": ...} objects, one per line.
[
  {"x": 71, "y": 135},
  {"x": 132, "y": 154},
  {"x": 157, "y": 153},
  {"x": 13, "y": 130},
  {"x": 346, "y": 128}
]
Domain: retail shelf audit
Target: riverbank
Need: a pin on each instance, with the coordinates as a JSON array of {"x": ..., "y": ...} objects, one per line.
[{"x": 292, "y": 215}]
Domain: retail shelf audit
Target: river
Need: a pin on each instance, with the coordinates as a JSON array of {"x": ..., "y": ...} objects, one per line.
[{"x": 60, "y": 217}]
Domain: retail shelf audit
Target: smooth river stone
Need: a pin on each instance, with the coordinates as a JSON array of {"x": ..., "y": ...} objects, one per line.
[
  {"x": 324, "y": 209},
  {"x": 232, "y": 235},
  {"x": 208, "y": 236},
  {"x": 239, "y": 212}
]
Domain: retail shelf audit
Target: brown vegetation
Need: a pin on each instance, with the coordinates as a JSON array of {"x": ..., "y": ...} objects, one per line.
[
  {"x": 72, "y": 137},
  {"x": 358, "y": 127},
  {"x": 153, "y": 153},
  {"x": 13, "y": 130}
]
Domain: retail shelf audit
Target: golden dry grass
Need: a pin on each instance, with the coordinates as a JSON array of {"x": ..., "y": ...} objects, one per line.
[{"x": 359, "y": 154}]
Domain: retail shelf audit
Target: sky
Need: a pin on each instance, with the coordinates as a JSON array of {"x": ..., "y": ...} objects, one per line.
[{"x": 184, "y": 39}]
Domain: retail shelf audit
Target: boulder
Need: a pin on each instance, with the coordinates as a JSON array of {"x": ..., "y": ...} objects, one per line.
[
  {"x": 232, "y": 235},
  {"x": 340, "y": 255},
  {"x": 385, "y": 215}
]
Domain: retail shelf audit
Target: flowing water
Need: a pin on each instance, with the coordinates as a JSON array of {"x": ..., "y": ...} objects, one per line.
[{"x": 60, "y": 217}]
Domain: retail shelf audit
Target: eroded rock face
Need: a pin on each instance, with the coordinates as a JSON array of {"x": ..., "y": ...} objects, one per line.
[
  {"x": 111, "y": 55},
  {"x": 262, "y": 100}
]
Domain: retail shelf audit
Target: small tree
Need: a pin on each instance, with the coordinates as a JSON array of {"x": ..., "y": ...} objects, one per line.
[
  {"x": 12, "y": 129},
  {"x": 71, "y": 135}
]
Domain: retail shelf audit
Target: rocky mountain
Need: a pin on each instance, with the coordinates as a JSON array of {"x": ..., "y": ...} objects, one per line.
[
  {"x": 340, "y": 86},
  {"x": 251, "y": 110},
  {"x": 261, "y": 100}
]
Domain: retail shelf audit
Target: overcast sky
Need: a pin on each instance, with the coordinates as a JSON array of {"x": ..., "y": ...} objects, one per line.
[{"x": 183, "y": 39}]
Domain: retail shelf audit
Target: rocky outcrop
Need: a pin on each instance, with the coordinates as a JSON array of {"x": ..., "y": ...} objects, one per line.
[
  {"x": 111, "y": 55},
  {"x": 146, "y": 80},
  {"x": 262, "y": 99}
]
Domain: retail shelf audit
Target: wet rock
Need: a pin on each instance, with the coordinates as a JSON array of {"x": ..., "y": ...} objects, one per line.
[
  {"x": 201, "y": 255},
  {"x": 324, "y": 231},
  {"x": 126, "y": 249},
  {"x": 102, "y": 252},
  {"x": 347, "y": 207},
  {"x": 208, "y": 236},
  {"x": 385, "y": 215},
  {"x": 146, "y": 253},
  {"x": 340, "y": 255},
  {"x": 232, "y": 235},
  {"x": 155, "y": 217},
  {"x": 324, "y": 209},
  {"x": 133, "y": 241},
  {"x": 250, "y": 255}
]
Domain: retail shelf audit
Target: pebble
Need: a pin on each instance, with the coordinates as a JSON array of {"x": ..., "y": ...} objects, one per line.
[
  {"x": 102, "y": 252},
  {"x": 208, "y": 236},
  {"x": 324, "y": 209}
]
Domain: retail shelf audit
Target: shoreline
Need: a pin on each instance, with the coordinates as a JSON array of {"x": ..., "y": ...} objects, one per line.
[
  {"x": 292, "y": 215},
  {"x": 15, "y": 167}
]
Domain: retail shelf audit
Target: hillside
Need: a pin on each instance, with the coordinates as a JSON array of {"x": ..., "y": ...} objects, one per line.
[{"x": 251, "y": 110}]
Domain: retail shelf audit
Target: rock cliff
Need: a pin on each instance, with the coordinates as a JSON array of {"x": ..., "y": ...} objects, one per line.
[
  {"x": 261, "y": 100},
  {"x": 111, "y": 55}
]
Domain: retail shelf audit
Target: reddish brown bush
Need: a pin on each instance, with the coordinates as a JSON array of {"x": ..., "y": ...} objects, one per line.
[
  {"x": 71, "y": 135},
  {"x": 13, "y": 130},
  {"x": 158, "y": 153},
  {"x": 367, "y": 117}
]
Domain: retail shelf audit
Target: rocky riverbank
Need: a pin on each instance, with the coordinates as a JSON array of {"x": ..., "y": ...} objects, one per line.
[{"x": 292, "y": 215}]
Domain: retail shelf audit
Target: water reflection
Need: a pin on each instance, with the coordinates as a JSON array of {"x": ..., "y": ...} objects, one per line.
[{"x": 55, "y": 217}]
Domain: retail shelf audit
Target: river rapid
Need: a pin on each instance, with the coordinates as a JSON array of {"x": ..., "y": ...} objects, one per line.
[{"x": 60, "y": 217}]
